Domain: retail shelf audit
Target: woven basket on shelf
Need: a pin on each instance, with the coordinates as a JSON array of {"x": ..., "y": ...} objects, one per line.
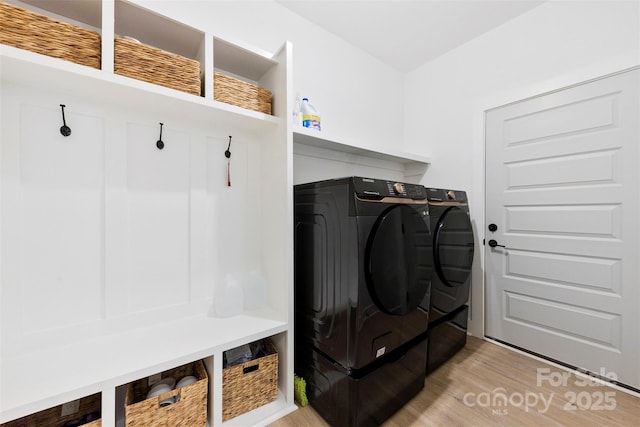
[
  {"x": 241, "y": 94},
  {"x": 52, "y": 417},
  {"x": 153, "y": 65},
  {"x": 189, "y": 411},
  {"x": 27, "y": 30},
  {"x": 250, "y": 385}
]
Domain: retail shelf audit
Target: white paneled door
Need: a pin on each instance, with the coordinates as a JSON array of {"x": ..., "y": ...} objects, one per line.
[{"x": 562, "y": 188}]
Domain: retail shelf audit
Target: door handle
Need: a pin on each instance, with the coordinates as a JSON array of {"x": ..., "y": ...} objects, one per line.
[{"x": 494, "y": 244}]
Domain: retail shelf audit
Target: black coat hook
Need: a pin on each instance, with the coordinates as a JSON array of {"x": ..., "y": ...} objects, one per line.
[
  {"x": 159, "y": 142},
  {"x": 227, "y": 153},
  {"x": 64, "y": 129}
]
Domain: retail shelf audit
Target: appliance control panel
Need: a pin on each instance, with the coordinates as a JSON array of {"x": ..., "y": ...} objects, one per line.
[
  {"x": 368, "y": 188},
  {"x": 442, "y": 195}
]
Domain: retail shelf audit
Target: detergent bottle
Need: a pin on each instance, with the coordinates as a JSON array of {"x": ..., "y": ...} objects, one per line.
[{"x": 310, "y": 116}]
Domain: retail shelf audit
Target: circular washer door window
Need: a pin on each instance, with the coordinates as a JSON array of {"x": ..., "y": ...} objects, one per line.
[
  {"x": 453, "y": 247},
  {"x": 398, "y": 259}
]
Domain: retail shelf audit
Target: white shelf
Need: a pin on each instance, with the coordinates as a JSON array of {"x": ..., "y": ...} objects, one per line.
[
  {"x": 122, "y": 18},
  {"x": 27, "y": 68},
  {"x": 315, "y": 138},
  {"x": 310, "y": 142},
  {"x": 74, "y": 372}
]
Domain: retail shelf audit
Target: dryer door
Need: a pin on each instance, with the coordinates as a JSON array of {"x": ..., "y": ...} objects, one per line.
[
  {"x": 453, "y": 247},
  {"x": 398, "y": 259}
]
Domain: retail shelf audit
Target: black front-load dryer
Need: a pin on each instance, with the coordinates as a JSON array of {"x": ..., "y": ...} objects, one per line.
[
  {"x": 362, "y": 269},
  {"x": 453, "y": 248}
]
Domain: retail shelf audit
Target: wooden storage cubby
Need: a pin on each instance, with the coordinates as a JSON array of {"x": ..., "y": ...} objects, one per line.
[
  {"x": 152, "y": 48},
  {"x": 181, "y": 406},
  {"x": 113, "y": 342},
  {"x": 120, "y": 18},
  {"x": 86, "y": 14},
  {"x": 255, "y": 377},
  {"x": 83, "y": 412},
  {"x": 237, "y": 67},
  {"x": 158, "y": 31},
  {"x": 53, "y": 34}
]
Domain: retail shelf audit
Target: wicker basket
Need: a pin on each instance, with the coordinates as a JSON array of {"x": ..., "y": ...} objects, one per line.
[
  {"x": 189, "y": 411},
  {"x": 250, "y": 385},
  {"x": 153, "y": 65},
  {"x": 24, "y": 29},
  {"x": 241, "y": 94},
  {"x": 52, "y": 417}
]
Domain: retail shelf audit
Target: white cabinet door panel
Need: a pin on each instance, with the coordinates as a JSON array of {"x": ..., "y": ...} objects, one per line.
[
  {"x": 61, "y": 208},
  {"x": 228, "y": 210},
  {"x": 158, "y": 186}
]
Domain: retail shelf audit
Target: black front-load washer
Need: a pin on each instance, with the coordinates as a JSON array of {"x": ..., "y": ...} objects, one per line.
[
  {"x": 362, "y": 269},
  {"x": 453, "y": 248}
]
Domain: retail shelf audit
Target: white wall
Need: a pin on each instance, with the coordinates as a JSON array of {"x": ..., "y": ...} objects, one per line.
[
  {"x": 556, "y": 44},
  {"x": 358, "y": 97},
  {"x": 438, "y": 109}
]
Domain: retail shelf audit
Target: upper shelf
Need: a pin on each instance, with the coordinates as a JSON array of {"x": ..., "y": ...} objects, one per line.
[
  {"x": 413, "y": 164},
  {"x": 28, "y": 68},
  {"x": 121, "y": 18}
]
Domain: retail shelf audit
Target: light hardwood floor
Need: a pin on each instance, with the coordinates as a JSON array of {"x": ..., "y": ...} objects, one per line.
[{"x": 466, "y": 391}]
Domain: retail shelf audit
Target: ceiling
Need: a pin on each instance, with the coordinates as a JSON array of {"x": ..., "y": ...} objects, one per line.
[{"x": 408, "y": 33}]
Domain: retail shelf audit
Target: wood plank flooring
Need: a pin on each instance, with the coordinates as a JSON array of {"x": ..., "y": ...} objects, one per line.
[{"x": 467, "y": 391}]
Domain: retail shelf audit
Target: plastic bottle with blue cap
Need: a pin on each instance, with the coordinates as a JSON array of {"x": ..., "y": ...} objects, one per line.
[{"x": 310, "y": 116}]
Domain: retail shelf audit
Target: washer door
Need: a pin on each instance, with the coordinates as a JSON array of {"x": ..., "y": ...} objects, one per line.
[
  {"x": 397, "y": 259},
  {"x": 453, "y": 247}
]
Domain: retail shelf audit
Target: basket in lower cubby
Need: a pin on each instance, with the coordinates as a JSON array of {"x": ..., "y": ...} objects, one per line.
[
  {"x": 83, "y": 412},
  {"x": 189, "y": 406},
  {"x": 251, "y": 384}
]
